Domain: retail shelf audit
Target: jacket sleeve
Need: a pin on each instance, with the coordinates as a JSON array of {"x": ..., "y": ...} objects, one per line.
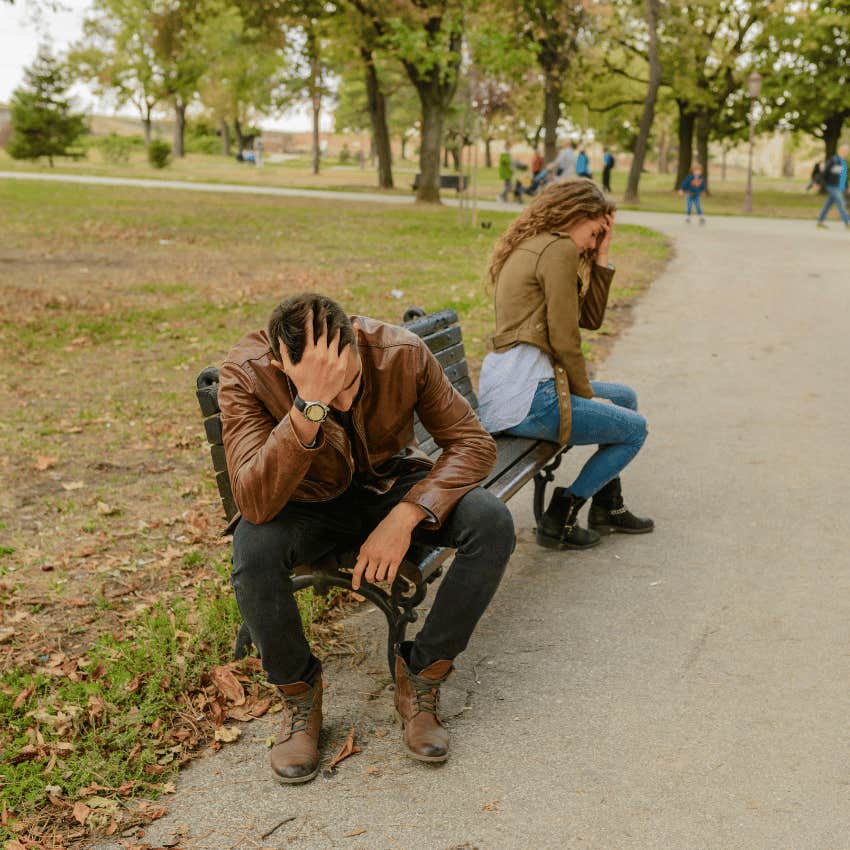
[
  {"x": 265, "y": 458},
  {"x": 557, "y": 271},
  {"x": 469, "y": 452},
  {"x": 596, "y": 298}
]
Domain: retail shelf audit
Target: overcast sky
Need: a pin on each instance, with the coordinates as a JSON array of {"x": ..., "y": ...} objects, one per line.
[{"x": 23, "y": 27}]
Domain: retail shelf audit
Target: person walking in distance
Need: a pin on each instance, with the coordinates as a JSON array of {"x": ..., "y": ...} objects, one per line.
[
  {"x": 692, "y": 187},
  {"x": 565, "y": 163},
  {"x": 552, "y": 275},
  {"x": 607, "y": 167},
  {"x": 506, "y": 172},
  {"x": 583, "y": 165},
  {"x": 835, "y": 183},
  {"x": 317, "y": 422}
]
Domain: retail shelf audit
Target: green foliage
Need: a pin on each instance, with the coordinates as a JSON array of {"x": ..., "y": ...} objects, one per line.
[
  {"x": 159, "y": 153},
  {"x": 804, "y": 53},
  {"x": 43, "y": 123},
  {"x": 202, "y": 138},
  {"x": 116, "y": 149}
]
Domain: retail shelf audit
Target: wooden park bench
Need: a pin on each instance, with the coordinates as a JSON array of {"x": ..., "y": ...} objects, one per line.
[
  {"x": 458, "y": 182},
  {"x": 519, "y": 460}
]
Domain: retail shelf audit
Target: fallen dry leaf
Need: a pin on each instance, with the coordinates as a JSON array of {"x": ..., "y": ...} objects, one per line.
[
  {"x": 492, "y": 806},
  {"x": 354, "y": 833},
  {"x": 73, "y": 485},
  {"x": 228, "y": 685},
  {"x": 227, "y": 734},
  {"x": 346, "y": 750},
  {"x": 44, "y": 462},
  {"x": 81, "y": 812},
  {"x": 105, "y": 509}
]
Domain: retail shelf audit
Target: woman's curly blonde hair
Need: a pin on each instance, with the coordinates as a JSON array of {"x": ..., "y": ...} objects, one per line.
[{"x": 554, "y": 210}]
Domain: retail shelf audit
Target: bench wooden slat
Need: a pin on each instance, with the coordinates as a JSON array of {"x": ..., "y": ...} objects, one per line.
[
  {"x": 432, "y": 323},
  {"x": 450, "y": 355},
  {"x": 443, "y": 339},
  {"x": 212, "y": 428}
]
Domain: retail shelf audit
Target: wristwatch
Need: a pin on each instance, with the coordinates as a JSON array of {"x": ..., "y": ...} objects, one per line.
[{"x": 314, "y": 411}]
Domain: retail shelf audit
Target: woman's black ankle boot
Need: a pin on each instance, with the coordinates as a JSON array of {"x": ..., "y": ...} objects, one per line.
[
  {"x": 608, "y": 513},
  {"x": 559, "y": 528}
]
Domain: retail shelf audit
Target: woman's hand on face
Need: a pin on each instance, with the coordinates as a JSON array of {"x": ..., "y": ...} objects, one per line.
[{"x": 605, "y": 243}]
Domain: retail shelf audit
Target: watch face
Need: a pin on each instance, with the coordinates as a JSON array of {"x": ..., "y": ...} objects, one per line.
[{"x": 315, "y": 412}]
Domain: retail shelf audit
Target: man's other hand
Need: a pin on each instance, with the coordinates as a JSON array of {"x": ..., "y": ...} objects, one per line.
[{"x": 382, "y": 553}]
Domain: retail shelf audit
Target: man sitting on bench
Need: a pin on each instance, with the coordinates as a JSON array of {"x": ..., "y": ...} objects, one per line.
[{"x": 317, "y": 421}]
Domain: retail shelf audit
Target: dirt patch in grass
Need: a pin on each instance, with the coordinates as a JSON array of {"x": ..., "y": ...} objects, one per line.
[{"x": 111, "y": 301}]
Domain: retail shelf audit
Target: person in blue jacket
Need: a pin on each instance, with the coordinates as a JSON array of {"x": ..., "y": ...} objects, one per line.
[
  {"x": 583, "y": 165},
  {"x": 692, "y": 187},
  {"x": 835, "y": 183}
]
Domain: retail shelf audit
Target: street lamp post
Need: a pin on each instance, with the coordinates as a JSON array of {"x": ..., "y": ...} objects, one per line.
[{"x": 753, "y": 90}]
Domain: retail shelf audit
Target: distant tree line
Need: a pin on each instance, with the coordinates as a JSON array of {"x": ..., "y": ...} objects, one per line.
[{"x": 653, "y": 77}]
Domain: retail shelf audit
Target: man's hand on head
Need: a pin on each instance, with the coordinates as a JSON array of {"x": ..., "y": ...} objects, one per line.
[
  {"x": 382, "y": 553},
  {"x": 320, "y": 373}
]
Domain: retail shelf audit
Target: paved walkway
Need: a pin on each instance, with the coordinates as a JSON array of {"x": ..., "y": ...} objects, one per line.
[{"x": 687, "y": 689}]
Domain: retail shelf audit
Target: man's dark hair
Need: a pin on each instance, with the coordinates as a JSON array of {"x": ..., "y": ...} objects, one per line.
[{"x": 288, "y": 322}]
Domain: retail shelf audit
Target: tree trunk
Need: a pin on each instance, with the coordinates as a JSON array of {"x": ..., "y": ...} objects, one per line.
[
  {"x": 664, "y": 149},
  {"x": 429, "y": 149},
  {"x": 456, "y": 156},
  {"x": 488, "y": 154},
  {"x": 648, "y": 114},
  {"x": 723, "y": 164},
  {"x": 225, "y": 138},
  {"x": 315, "y": 89},
  {"x": 179, "y": 127},
  {"x": 686, "y": 143},
  {"x": 377, "y": 104},
  {"x": 147, "y": 126},
  {"x": 551, "y": 116},
  {"x": 404, "y": 147},
  {"x": 832, "y": 133},
  {"x": 445, "y": 157},
  {"x": 240, "y": 139},
  {"x": 703, "y": 131},
  {"x": 315, "y": 149}
]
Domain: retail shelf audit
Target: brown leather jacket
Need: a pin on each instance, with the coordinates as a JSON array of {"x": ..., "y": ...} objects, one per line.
[
  {"x": 539, "y": 300},
  {"x": 269, "y": 466}
]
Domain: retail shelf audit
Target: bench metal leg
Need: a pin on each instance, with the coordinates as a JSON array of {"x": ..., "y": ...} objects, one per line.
[
  {"x": 542, "y": 480},
  {"x": 398, "y": 606}
]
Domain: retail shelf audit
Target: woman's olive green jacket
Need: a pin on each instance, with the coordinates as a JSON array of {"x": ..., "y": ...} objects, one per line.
[{"x": 540, "y": 300}]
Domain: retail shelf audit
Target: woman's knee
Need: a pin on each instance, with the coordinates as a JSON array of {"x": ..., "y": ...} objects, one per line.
[{"x": 640, "y": 430}]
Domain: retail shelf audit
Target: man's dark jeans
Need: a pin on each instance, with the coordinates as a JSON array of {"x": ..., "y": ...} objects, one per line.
[{"x": 480, "y": 528}]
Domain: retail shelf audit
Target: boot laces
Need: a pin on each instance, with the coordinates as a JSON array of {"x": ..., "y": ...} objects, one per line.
[
  {"x": 426, "y": 697},
  {"x": 299, "y": 712}
]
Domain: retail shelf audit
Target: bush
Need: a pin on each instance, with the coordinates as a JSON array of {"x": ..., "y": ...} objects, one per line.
[
  {"x": 116, "y": 149},
  {"x": 344, "y": 154},
  {"x": 201, "y": 138},
  {"x": 159, "y": 153}
]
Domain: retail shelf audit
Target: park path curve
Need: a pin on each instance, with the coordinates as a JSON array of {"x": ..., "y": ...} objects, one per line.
[{"x": 686, "y": 689}]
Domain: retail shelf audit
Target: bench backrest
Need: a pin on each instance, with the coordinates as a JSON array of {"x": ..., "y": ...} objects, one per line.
[{"x": 440, "y": 331}]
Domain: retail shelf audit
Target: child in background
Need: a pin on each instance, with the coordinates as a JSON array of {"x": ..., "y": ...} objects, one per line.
[{"x": 692, "y": 187}]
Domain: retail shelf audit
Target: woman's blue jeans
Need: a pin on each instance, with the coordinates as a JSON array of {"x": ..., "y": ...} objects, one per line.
[{"x": 618, "y": 429}]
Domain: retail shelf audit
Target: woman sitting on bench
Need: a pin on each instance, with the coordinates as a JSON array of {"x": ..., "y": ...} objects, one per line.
[{"x": 552, "y": 276}]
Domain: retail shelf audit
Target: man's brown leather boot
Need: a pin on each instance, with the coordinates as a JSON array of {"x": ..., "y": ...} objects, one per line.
[
  {"x": 295, "y": 754},
  {"x": 417, "y": 700}
]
